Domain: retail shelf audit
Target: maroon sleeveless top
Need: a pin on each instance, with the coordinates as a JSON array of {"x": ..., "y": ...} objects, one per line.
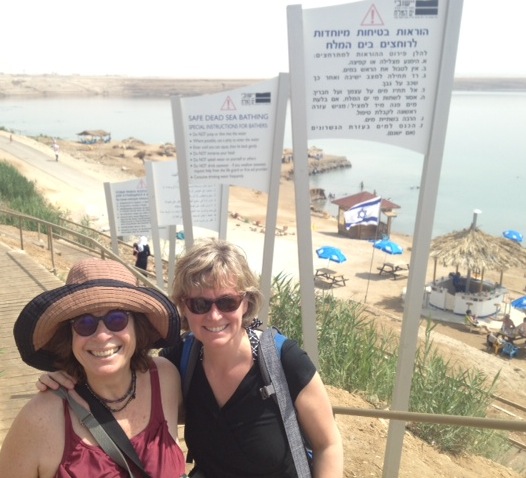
[{"x": 159, "y": 454}]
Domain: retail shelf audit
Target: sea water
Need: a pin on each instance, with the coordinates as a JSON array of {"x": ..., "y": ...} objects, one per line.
[{"x": 483, "y": 164}]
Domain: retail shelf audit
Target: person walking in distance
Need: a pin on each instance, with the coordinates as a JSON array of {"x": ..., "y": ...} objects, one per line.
[
  {"x": 56, "y": 149},
  {"x": 141, "y": 251}
]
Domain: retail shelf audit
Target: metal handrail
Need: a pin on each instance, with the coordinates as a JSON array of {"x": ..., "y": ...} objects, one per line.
[
  {"x": 89, "y": 244},
  {"x": 477, "y": 422}
]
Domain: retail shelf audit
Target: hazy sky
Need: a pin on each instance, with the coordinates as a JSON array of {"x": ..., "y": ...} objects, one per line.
[{"x": 211, "y": 38}]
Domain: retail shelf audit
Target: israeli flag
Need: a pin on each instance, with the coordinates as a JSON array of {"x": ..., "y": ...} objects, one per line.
[{"x": 364, "y": 213}]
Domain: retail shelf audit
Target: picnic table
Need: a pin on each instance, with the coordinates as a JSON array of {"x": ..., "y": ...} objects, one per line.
[
  {"x": 510, "y": 337},
  {"x": 393, "y": 269},
  {"x": 333, "y": 277}
]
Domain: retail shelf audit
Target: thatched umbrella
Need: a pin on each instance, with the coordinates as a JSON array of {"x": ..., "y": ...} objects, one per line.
[{"x": 476, "y": 251}]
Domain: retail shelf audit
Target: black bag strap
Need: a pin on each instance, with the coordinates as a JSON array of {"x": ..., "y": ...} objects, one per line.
[
  {"x": 273, "y": 375},
  {"x": 100, "y": 435},
  {"x": 110, "y": 425},
  {"x": 189, "y": 358}
]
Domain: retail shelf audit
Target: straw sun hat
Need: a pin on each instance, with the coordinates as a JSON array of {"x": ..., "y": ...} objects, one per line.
[{"x": 92, "y": 286}]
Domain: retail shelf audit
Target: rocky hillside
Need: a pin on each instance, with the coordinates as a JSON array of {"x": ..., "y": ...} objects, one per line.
[{"x": 57, "y": 85}]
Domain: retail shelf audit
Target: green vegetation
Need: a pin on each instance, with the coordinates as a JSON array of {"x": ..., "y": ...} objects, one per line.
[
  {"x": 19, "y": 194},
  {"x": 440, "y": 388},
  {"x": 357, "y": 357}
]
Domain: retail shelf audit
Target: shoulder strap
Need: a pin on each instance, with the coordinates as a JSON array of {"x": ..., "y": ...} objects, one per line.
[
  {"x": 100, "y": 435},
  {"x": 189, "y": 358},
  {"x": 276, "y": 386},
  {"x": 268, "y": 389},
  {"x": 110, "y": 425}
]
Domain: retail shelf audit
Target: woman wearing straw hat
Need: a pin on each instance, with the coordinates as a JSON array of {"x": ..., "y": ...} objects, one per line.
[{"x": 99, "y": 328}]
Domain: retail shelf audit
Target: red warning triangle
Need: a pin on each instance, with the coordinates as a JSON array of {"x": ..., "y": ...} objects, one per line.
[
  {"x": 372, "y": 18},
  {"x": 228, "y": 105}
]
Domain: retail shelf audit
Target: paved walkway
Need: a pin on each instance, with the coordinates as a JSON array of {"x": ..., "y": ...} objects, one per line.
[{"x": 22, "y": 279}]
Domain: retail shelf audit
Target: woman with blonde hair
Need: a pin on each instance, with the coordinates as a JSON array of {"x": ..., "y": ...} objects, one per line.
[{"x": 230, "y": 430}]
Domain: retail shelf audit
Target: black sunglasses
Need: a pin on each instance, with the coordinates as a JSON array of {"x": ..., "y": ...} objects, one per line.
[
  {"x": 86, "y": 325},
  {"x": 225, "y": 303}
]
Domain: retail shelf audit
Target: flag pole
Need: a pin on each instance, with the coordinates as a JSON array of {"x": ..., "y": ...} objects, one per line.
[
  {"x": 361, "y": 213},
  {"x": 372, "y": 258}
]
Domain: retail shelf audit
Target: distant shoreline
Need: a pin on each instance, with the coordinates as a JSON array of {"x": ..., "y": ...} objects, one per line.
[
  {"x": 489, "y": 84},
  {"x": 127, "y": 87},
  {"x": 112, "y": 86}
]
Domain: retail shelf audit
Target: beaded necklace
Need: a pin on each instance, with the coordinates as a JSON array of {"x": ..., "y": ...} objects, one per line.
[{"x": 126, "y": 398}]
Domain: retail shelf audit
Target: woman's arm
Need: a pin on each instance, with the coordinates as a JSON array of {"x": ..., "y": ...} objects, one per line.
[
  {"x": 34, "y": 445},
  {"x": 171, "y": 393},
  {"x": 317, "y": 422}
]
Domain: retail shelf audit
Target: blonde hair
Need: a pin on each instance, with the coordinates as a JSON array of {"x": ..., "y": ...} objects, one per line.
[{"x": 214, "y": 263}]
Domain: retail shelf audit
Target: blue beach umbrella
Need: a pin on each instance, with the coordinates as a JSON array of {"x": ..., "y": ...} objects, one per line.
[
  {"x": 331, "y": 253},
  {"x": 512, "y": 235},
  {"x": 388, "y": 246},
  {"x": 519, "y": 303}
]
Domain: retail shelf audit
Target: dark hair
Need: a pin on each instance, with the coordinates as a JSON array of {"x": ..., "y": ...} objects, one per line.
[{"x": 61, "y": 345}]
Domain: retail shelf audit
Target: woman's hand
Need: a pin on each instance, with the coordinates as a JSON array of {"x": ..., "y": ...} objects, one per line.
[{"x": 53, "y": 380}]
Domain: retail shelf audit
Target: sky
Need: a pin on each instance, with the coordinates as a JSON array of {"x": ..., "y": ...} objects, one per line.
[{"x": 211, "y": 38}]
